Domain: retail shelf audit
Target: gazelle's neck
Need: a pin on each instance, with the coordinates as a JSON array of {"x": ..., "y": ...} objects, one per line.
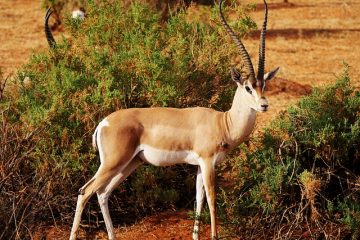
[{"x": 239, "y": 120}]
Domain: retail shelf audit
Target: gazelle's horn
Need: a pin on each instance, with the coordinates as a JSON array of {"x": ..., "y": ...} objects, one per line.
[
  {"x": 260, "y": 76},
  {"x": 48, "y": 34},
  {"x": 243, "y": 53}
]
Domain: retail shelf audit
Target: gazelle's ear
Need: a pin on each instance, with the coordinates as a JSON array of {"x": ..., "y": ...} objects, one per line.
[
  {"x": 270, "y": 75},
  {"x": 236, "y": 76}
]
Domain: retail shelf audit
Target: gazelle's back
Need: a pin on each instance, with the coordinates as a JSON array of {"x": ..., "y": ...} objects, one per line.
[{"x": 168, "y": 128}]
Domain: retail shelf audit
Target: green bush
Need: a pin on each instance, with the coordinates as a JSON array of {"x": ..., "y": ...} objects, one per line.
[
  {"x": 304, "y": 168},
  {"x": 118, "y": 57}
]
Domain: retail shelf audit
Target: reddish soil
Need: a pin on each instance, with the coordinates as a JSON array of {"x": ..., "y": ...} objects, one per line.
[
  {"x": 309, "y": 40},
  {"x": 168, "y": 225}
]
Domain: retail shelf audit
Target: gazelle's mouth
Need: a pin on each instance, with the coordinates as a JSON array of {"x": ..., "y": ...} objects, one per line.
[{"x": 263, "y": 108}]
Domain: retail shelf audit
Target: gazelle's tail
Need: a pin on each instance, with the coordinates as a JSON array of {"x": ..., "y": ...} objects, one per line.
[{"x": 94, "y": 142}]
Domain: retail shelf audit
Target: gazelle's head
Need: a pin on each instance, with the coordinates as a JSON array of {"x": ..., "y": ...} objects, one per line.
[{"x": 251, "y": 88}]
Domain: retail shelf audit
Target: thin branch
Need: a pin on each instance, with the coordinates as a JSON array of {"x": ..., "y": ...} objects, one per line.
[
  {"x": 3, "y": 84},
  {"x": 295, "y": 158}
]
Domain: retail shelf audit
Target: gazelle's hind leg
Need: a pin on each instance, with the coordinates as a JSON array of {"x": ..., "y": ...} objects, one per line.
[
  {"x": 104, "y": 193},
  {"x": 104, "y": 181},
  {"x": 114, "y": 159},
  {"x": 82, "y": 200},
  {"x": 84, "y": 195}
]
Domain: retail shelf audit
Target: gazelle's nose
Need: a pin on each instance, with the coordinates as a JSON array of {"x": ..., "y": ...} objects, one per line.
[{"x": 263, "y": 104}]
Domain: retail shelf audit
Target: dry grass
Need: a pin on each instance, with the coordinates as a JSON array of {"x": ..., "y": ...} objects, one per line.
[{"x": 310, "y": 187}]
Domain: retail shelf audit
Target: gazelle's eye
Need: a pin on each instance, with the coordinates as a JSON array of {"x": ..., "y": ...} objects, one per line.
[{"x": 248, "y": 89}]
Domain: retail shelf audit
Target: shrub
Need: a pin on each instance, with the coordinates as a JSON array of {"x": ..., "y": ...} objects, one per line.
[
  {"x": 118, "y": 57},
  {"x": 305, "y": 168}
]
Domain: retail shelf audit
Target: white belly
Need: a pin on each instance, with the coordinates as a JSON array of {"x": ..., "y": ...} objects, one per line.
[{"x": 159, "y": 157}]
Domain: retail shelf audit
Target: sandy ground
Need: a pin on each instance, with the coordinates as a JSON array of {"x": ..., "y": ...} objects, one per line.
[{"x": 309, "y": 40}]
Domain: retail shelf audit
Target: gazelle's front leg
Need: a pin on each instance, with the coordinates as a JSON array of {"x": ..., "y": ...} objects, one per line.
[
  {"x": 200, "y": 196},
  {"x": 208, "y": 176}
]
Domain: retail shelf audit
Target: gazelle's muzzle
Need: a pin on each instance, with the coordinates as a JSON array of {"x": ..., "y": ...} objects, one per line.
[{"x": 263, "y": 105}]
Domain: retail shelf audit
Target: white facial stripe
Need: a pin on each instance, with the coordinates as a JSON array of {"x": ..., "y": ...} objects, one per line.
[{"x": 264, "y": 85}]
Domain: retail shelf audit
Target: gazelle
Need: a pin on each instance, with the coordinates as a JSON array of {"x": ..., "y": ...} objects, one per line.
[
  {"x": 165, "y": 136},
  {"x": 49, "y": 37}
]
